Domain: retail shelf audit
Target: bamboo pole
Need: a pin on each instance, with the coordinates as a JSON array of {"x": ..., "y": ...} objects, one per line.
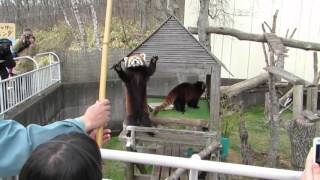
[{"x": 104, "y": 63}]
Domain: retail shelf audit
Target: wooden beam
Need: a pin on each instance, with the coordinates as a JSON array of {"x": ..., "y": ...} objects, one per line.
[
  {"x": 287, "y": 76},
  {"x": 258, "y": 37},
  {"x": 176, "y": 121},
  {"x": 283, "y": 99},
  {"x": 215, "y": 99}
]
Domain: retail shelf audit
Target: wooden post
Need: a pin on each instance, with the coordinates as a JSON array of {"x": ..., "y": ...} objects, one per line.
[
  {"x": 215, "y": 106},
  {"x": 312, "y": 98},
  {"x": 215, "y": 98},
  {"x": 297, "y": 101},
  {"x": 104, "y": 63},
  {"x": 129, "y": 174}
]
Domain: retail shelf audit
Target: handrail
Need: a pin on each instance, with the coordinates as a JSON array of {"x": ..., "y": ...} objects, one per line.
[
  {"x": 17, "y": 89},
  {"x": 201, "y": 165},
  {"x": 29, "y": 58},
  {"x": 49, "y": 53}
]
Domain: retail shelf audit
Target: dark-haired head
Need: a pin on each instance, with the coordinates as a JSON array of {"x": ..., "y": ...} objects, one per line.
[{"x": 65, "y": 157}]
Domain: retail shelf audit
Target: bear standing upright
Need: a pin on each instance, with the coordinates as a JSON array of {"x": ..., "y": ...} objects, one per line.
[{"x": 135, "y": 76}]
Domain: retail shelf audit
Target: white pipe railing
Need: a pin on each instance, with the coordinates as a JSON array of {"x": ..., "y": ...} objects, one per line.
[
  {"x": 17, "y": 89},
  {"x": 54, "y": 60},
  {"x": 200, "y": 165},
  {"x": 28, "y": 58}
]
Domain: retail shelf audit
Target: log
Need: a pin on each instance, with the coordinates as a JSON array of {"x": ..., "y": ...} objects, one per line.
[
  {"x": 246, "y": 85},
  {"x": 288, "y": 76},
  {"x": 176, "y": 121},
  {"x": 278, "y": 85},
  {"x": 205, "y": 152},
  {"x": 258, "y": 37}
]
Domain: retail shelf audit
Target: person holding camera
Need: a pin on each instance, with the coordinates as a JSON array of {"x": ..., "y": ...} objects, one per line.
[
  {"x": 25, "y": 46},
  {"x": 312, "y": 169},
  {"x": 6, "y": 58}
]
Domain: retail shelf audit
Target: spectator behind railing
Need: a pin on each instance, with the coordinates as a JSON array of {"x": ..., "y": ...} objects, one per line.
[
  {"x": 68, "y": 157},
  {"x": 25, "y": 46},
  {"x": 17, "y": 142},
  {"x": 6, "y": 58}
]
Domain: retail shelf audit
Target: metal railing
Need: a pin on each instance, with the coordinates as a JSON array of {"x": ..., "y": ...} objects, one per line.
[
  {"x": 195, "y": 164},
  {"x": 17, "y": 89}
]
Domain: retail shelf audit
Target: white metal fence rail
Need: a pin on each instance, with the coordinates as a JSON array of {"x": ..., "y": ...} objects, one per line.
[
  {"x": 195, "y": 164},
  {"x": 17, "y": 89}
]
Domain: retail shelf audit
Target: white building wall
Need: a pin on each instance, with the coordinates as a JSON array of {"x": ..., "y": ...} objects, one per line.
[{"x": 245, "y": 59}]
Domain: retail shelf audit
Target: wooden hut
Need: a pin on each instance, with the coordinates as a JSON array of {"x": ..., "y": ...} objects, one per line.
[{"x": 176, "y": 46}]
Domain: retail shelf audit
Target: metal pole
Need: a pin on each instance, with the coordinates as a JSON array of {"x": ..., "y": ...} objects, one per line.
[{"x": 193, "y": 175}]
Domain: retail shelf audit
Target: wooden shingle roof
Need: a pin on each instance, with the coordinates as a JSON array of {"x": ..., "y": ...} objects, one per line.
[{"x": 173, "y": 43}]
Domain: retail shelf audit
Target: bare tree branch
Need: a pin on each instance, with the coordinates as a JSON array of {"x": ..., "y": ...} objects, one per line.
[{"x": 258, "y": 37}]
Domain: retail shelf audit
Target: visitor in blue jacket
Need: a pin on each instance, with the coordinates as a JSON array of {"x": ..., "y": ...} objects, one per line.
[{"x": 17, "y": 142}]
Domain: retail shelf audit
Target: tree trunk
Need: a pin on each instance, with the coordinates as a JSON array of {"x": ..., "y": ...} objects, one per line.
[
  {"x": 274, "y": 116},
  {"x": 65, "y": 16},
  {"x": 301, "y": 134},
  {"x": 144, "y": 14},
  {"x": 95, "y": 25},
  {"x": 246, "y": 151},
  {"x": 274, "y": 123},
  {"x": 83, "y": 35},
  {"x": 162, "y": 8},
  {"x": 203, "y": 24},
  {"x": 18, "y": 13},
  {"x": 173, "y": 8}
]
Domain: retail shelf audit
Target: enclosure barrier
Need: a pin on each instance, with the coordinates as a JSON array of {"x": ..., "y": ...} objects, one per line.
[
  {"x": 17, "y": 89},
  {"x": 195, "y": 165}
]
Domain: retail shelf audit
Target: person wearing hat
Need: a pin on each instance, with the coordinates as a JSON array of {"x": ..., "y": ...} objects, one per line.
[{"x": 25, "y": 46}]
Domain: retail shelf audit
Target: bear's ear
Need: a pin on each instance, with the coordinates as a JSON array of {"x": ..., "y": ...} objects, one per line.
[
  {"x": 143, "y": 56},
  {"x": 125, "y": 59}
]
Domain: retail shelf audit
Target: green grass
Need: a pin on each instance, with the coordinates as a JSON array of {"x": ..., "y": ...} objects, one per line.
[
  {"x": 259, "y": 134},
  {"x": 113, "y": 169},
  {"x": 191, "y": 113}
]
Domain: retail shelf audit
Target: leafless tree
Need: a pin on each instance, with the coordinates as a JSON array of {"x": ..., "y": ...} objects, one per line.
[
  {"x": 95, "y": 24},
  {"x": 83, "y": 34}
]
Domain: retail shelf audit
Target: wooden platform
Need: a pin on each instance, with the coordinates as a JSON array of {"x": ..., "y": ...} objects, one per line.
[
  {"x": 161, "y": 173},
  {"x": 163, "y": 141}
]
